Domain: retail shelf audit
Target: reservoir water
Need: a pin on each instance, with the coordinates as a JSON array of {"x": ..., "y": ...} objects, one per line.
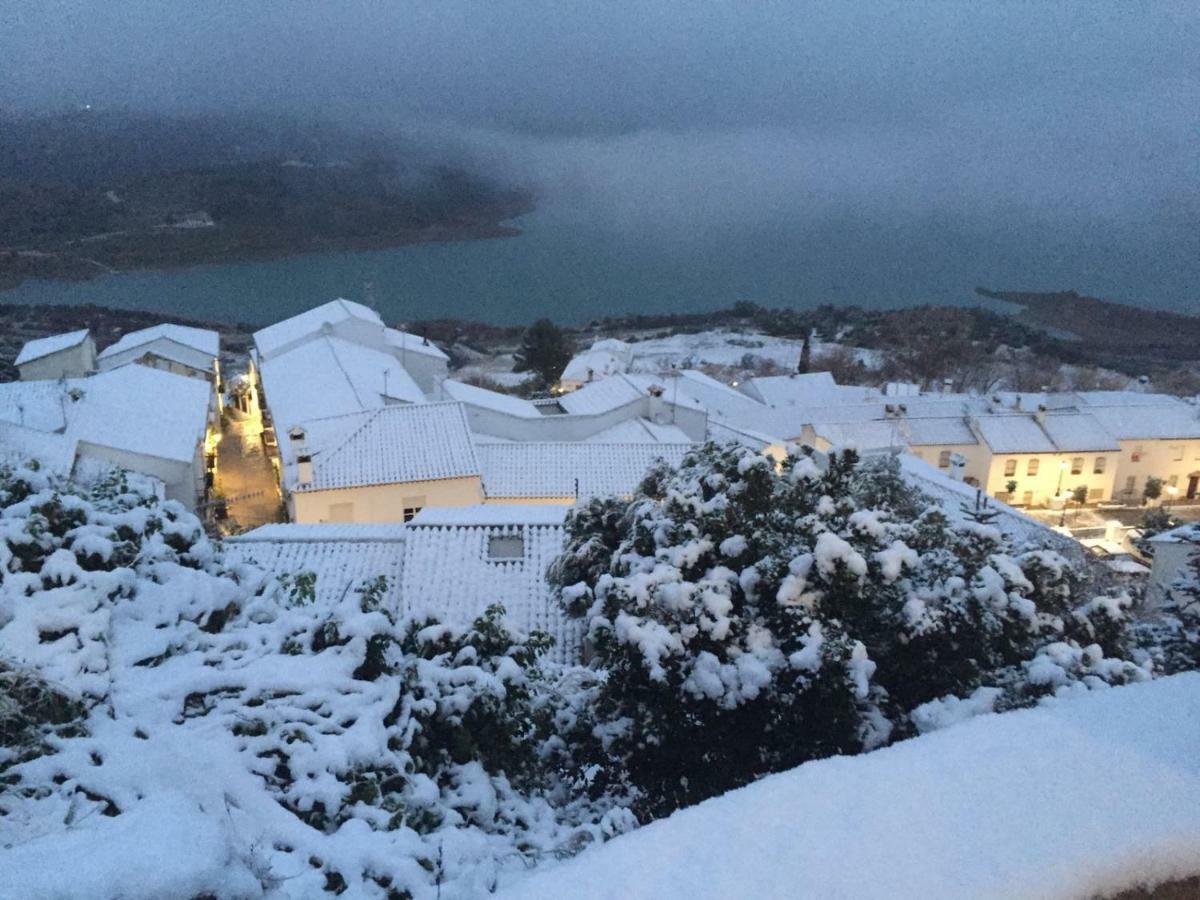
[{"x": 563, "y": 268}]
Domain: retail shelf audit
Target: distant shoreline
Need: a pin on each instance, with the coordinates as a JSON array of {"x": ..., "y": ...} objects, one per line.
[{"x": 62, "y": 266}]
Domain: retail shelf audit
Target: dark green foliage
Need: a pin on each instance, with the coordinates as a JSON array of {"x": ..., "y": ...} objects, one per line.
[{"x": 545, "y": 350}]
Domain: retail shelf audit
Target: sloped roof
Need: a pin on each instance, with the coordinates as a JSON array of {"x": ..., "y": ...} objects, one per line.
[
  {"x": 1078, "y": 431},
  {"x": 1150, "y": 422},
  {"x": 200, "y": 339},
  {"x": 392, "y": 445},
  {"x": 639, "y": 430},
  {"x": 493, "y": 400},
  {"x": 328, "y": 377},
  {"x": 448, "y": 572},
  {"x": 1188, "y": 533},
  {"x": 949, "y": 430},
  {"x": 555, "y": 469},
  {"x": 1014, "y": 434},
  {"x": 593, "y": 363},
  {"x": 53, "y": 452},
  {"x": 270, "y": 339},
  {"x": 133, "y": 408},
  {"x": 40, "y": 347},
  {"x": 412, "y": 343},
  {"x": 343, "y": 557},
  {"x": 601, "y": 396},
  {"x": 436, "y": 564},
  {"x": 807, "y": 389}
]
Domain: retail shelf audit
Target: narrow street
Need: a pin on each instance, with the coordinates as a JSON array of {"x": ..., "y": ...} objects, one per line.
[{"x": 245, "y": 475}]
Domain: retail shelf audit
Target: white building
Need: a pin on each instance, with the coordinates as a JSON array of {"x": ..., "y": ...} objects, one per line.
[
  {"x": 450, "y": 563},
  {"x": 181, "y": 349},
  {"x": 147, "y": 421},
  {"x": 70, "y": 355}
]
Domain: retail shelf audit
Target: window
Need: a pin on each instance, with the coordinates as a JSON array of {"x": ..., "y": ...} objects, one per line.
[
  {"x": 1010, "y": 468},
  {"x": 1027, "y": 498},
  {"x": 412, "y": 506},
  {"x": 1032, "y": 467},
  {"x": 1077, "y": 465},
  {"x": 1173, "y": 481},
  {"x": 944, "y": 459},
  {"x": 1131, "y": 484},
  {"x": 1177, "y": 452},
  {"x": 1136, "y": 455},
  {"x": 1099, "y": 465},
  {"x": 505, "y": 547},
  {"x": 1096, "y": 494},
  {"x": 341, "y": 512}
]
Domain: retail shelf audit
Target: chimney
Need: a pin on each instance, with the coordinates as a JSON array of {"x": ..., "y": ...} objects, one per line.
[
  {"x": 296, "y": 435},
  {"x": 1040, "y": 415},
  {"x": 304, "y": 469}
]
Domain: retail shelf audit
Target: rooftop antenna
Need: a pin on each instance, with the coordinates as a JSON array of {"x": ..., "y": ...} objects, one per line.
[{"x": 385, "y": 377}]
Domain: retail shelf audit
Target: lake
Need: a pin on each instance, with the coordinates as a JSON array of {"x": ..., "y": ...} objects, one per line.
[{"x": 571, "y": 271}]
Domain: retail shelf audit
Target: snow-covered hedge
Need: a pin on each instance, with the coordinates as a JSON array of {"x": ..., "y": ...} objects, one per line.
[
  {"x": 751, "y": 617},
  {"x": 151, "y": 691}
]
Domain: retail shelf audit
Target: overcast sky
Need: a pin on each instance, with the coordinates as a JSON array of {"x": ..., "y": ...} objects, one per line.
[{"x": 667, "y": 116}]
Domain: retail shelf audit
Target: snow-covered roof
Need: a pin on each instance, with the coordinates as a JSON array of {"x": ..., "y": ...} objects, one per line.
[
  {"x": 201, "y": 340},
  {"x": 600, "y": 396},
  {"x": 1078, "y": 431},
  {"x": 329, "y": 376},
  {"x": 343, "y": 557},
  {"x": 972, "y": 811},
  {"x": 1150, "y": 422},
  {"x": 452, "y": 569},
  {"x": 133, "y": 408},
  {"x": 392, "y": 445},
  {"x": 925, "y": 431},
  {"x": 492, "y": 514},
  {"x": 442, "y": 563},
  {"x": 53, "y": 452},
  {"x": 593, "y": 364},
  {"x": 40, "y": 347},
  {"x": 143, "y": 410},
  {"x": 1184, "y": 534},
  {"x": 1014, "y": 434},
  {"x": 270, "y": 339},
  {"x": 805, "y": 390},
  {"x": 639, "y": 430},
  {"x": 569, "y": 470},
  {"x": 406, "y": 342},
  {"x": 493, "y": 400}
]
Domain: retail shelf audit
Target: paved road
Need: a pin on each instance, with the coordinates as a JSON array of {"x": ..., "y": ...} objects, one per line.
[{"x": 246, "y": 477}]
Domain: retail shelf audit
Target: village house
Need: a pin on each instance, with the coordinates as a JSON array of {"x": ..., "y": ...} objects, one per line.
[
  {"x": 70, "y": 355},
  {"x": 180, "y": 349},
  {"x": 452, "y": 563},
  {"x": 605, "y": 357},
  {"x": 151, "y": 422}
]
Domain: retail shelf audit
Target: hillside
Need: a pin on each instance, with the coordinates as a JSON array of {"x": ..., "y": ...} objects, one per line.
[
  {"x": 1117, "y": 333},
  {"x": 87, "y": 193}
]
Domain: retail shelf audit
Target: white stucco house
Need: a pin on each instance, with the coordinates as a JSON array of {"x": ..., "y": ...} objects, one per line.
[
  {"x": 180, "y": 349},
  {"x": 69, "y": 355},
  {"x": 148, "y": 421}
]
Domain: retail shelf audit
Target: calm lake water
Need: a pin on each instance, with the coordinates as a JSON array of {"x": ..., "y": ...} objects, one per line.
[{"x": 573, "y": 273}]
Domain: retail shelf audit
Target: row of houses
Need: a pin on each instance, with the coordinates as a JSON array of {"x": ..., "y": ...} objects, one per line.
[{"x": 148, "y": 403}]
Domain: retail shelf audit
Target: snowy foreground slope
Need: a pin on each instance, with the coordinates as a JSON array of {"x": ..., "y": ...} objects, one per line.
[{"x": 1078, "y": 799}]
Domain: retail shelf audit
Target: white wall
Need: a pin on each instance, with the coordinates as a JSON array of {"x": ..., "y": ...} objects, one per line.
[
  {"x": 166, "y": 355},
  {"x": 180, "y": 478},
  {"x": 1157, "y": 458},
  {"x": 381, "y": 502},
  {"x": 73, "y": 362},
  {"x": 1044, "y": 484}
]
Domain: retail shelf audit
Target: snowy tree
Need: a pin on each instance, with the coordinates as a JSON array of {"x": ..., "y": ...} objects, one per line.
[{"x": 750, "y": 617}]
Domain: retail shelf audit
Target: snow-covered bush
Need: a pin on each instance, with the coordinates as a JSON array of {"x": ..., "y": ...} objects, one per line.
[
  {"x": 309, "y": 745},
  {"x": 750, "y": 617}
]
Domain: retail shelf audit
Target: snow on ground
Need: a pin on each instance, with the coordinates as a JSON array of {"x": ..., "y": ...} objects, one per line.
[
  {"x": 726, "y": 348},
  {"x": 1078, "y": 799}
]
